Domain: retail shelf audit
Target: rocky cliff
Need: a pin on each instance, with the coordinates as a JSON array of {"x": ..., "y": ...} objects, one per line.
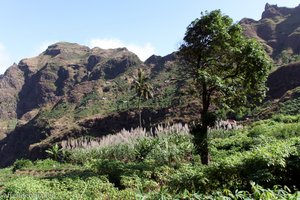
[{"x": 278, "y": 30}]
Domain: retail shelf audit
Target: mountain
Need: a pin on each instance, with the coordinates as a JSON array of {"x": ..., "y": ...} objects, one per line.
[
  {"x": 72, "y": 91},
  {"x": 279, "y": 32},
  {"x": 278, "y": 29}
]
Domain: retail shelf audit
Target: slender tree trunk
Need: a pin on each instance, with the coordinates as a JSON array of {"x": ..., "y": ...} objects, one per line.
[
  {"x": 204, "y": 128},
  {"x": 140, "y": 112}
]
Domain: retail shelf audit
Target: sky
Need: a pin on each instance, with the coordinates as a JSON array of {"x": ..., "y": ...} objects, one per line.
[{"x": 150, "y": 27}]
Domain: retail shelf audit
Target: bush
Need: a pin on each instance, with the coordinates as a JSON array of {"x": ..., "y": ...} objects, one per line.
[{"x": 21, "y": 164}]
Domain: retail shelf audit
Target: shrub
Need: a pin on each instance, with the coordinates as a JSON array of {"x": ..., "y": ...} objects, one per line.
[{"x": 21, "y": 164}]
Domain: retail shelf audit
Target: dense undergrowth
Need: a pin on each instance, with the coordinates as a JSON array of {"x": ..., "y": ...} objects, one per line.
[{"x": 260, "y": 161}]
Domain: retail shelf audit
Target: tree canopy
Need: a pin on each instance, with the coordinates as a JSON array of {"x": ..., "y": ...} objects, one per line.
[
  {"x": 228, "y": 69},
  {"x": 143, "y": 90}
]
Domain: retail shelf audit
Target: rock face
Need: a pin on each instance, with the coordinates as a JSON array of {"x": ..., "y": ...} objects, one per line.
[
  {"x": 10, "y": 85},
  {"x": 283, "y": 79},
  {"x": 272, "y": 11},
  {"x": 62, "y": 66},
  {"x": 278, "y": 30}
]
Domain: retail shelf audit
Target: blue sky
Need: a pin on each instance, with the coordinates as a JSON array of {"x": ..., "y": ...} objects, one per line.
[{"x": 144, "y": 27}]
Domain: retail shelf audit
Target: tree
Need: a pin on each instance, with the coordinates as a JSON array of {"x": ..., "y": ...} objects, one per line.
[
  {"x": 228, "y": 70},
  {"x": 143, "y": 90}
]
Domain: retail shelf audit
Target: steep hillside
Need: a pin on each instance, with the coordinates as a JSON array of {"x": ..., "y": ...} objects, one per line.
[
  {"x": 10, "y": 86},
  {"x": 283, "y": 79},
  {"x": 278, "y": 29},
  {"x": 283, "y": 95}
]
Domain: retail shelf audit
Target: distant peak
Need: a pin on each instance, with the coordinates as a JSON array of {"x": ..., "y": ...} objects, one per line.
[
  {"x": 272, "y": 11},
  {"x": 122, "y": 49},
  {"x": 65, "y": 45},
  {"x": 154, "y": 59},
  {"x": 60, "y": 47},
  {"x": 267, "y": 6}
]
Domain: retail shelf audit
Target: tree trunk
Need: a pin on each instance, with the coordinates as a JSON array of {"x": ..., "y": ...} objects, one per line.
[
  {"x": 140, "y": 112},
  {"x": 201, "y": 131},
  {"x": 204, "y": 144}
]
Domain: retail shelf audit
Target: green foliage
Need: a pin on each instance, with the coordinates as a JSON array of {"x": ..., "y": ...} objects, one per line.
[
  {"x": 22, "y": 163},
  {"x": 143, "y": 90},
  {"x": 65, "y": 188},
  {"x": 55, "y": 152},
  {"x": 228, "y": 79},
  {"x": 93, "y": 96},
  {"x": 123, "y": 152},
  {"x": 58, "y": 111},
  {"x": 172, "y": 150},
  {"x": 230, "y": 72},
  {"x": 47, "y": 164},
  {"x": 287, "y": 57},
  {"x": 247, "y": 163},
  {"x": 92, "y": 104},
  {"x": 280, "y": 127},
  {"x": 8, "y": 125},
  {"x": 143, "y": 147},
  {"x": 291, "y": 107}
]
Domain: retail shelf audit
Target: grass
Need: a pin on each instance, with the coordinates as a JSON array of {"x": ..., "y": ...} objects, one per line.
[
  {"x": 246, "y": 163},
  {"x": 58, "y": 111}
]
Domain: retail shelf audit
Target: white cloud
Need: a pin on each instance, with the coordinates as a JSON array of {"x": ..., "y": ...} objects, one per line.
[
  {"x": 5, "y": 60},
  {"x": 142, "y": 51}
]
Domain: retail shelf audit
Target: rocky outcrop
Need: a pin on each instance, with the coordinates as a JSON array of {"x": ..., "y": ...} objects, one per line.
[
  {"x": 275, "y": 11},
  {"x": 49, "y": 76},
  {"x": 278, "y": 30},
  {"x": 10, "y": 85}
]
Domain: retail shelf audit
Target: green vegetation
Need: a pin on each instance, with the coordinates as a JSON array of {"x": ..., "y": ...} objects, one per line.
[
  {"x": 55, "y": 152},
  {"x": 143, "y": 90},
  {"x": 225, "y": 72},
  {"x": 231, "y": 79},
  {"x": 291, "y": 107},
  {"x": 288, "y": 104},
  {"x": 249, "y": 163},
  {"x": 287, "y": 57},
  {"x": 60, "y": 110}
]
